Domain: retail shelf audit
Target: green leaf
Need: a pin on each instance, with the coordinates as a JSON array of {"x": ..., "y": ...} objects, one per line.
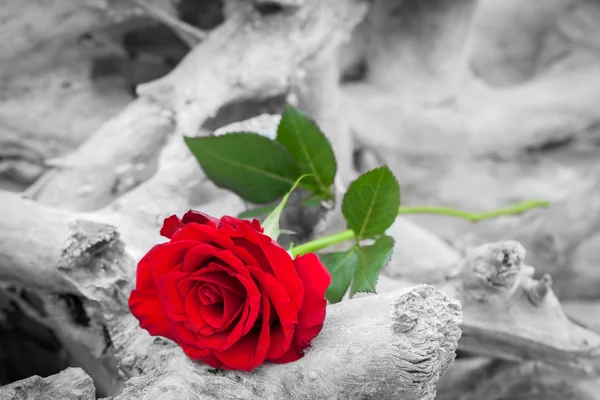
[
  {"x": 309, "y": 147},
  {"x": 271, "y": 224},
  {"x": 341, "y": 267},
  {"x": 371, "y": 203},
  {"x": 371, "y": 259},
  {"x": 256, "y": 212},
  {"x": 254, "y": 167}
]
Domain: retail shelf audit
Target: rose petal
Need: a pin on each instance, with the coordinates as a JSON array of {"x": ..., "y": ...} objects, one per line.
[
  {"x": 235, "y": 223},
  {"x": 167, "y": 257},
  {"x": 227, "y": 220},
  {"x": 220, "y": 238},
  {"x": 193, "y": 311},
  {"x": 199, "y": 218},
  {"x": 316, "y": 280},
  {"x": 216, "y": 274},
  {"x": 205, "y": 234},
  {"x": 274, "y": 260},
  {"x": 144, "y": 280},
  {"x": 236, "y": 269},
  {"x": 170, "y": 226},
  {"x": 283, "y": 307},
  {"x": 257, "y": 253},
  {"x": 148, "y": 310},
  {"x": 232, "y": 307},
  {"x": 257, "y": 226},
  {"x": 293, "y": 354},
  {"x": 222, "y": 340},
  {"x": 250, "y": 351},
  {"x": 197, "y": 256},
  {"x": 171, "y": 299}
]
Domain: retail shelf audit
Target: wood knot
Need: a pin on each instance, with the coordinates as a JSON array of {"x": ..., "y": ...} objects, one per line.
[
  {"x": 538, "y": 291},
  {"x": 497, "y": 263}
]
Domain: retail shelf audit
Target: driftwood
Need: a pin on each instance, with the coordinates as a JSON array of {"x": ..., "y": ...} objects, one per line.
[
  {"x": 478, "y": 378},
  {"x": 509, "y": 315},
  {"x": 456, "y": 139},
  {"x": 83, "y": 274},
  {"x": 474, "y": 379},
  {"x": 268, "y": 52},
  {"x": 72, "y": 383}
]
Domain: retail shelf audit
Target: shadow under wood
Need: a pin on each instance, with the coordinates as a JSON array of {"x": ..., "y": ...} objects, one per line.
[{"x": 27, "y": 347}]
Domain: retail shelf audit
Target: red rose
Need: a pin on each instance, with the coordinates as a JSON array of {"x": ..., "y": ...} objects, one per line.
[{"x": 228, "y": 294}]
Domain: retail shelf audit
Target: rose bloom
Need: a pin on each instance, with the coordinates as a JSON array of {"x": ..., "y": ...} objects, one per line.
[{"x": 229, "y": 295}]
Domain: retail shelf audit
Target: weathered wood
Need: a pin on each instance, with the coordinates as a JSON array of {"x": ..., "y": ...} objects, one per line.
[
  {"x": 510, "y": 315},
  {"x": 84, "y": 275},
  {"x": 70, "y": 384},
  {"x": 475, "y": 379},
  {"x": 464, "y": 143},
  {"x": 318, "y": 94},
  {"x": 359, "y": 341},
  {"x": 268, "y": 51}
]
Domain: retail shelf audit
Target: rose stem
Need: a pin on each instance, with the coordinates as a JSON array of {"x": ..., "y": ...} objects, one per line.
[{"x": 326, "y": 241}]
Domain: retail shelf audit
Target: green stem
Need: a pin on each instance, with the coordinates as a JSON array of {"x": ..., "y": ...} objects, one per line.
[
  {"x": 326, "y": 241},
  {"x": 475, "y": 217},
  {"x": 322, "y": 242}
]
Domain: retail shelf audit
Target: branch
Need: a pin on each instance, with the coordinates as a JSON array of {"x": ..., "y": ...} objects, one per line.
[
  {"x": 554, "y": 238},
  {"x": 509, "y": 315},
  {"x": 342, "y": 361},
  {"x": 417, "y": 49},
  {"x": 268, "y": 51},
  {"x": 188, "y": 33},
  {"x": 112, "y": 161},
  {"x": 86, "y": 275},
  {"x": 475, "y": 379}
]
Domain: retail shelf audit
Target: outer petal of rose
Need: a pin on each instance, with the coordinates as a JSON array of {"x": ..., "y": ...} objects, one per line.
[
  {"x": 169, "y": 296},
  {"x": 202, "y": 233},
  {"x": 291, "y": 355},
  {"x": 197, "y": 256},
  {"x": 167, "y": 257},
  {"x": 316, "y": 279},
  {"x": 227, "y": 220},
  {"x": 275, "y": 260},
  {"x": 250, "y": 351},
  {"x": 170, "y": 226},
  {"x": 283, "y": 308},
  {"x": 147, "y": 309},
  {"x": 238, "y": 251},
  {"x": 223, "y": 237},
  {"x": 235, "y": 222},
  {"x": 144, "y": 280},
  {"x": 199, "y": 218},
  {"x": 256, "y": 225}
]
